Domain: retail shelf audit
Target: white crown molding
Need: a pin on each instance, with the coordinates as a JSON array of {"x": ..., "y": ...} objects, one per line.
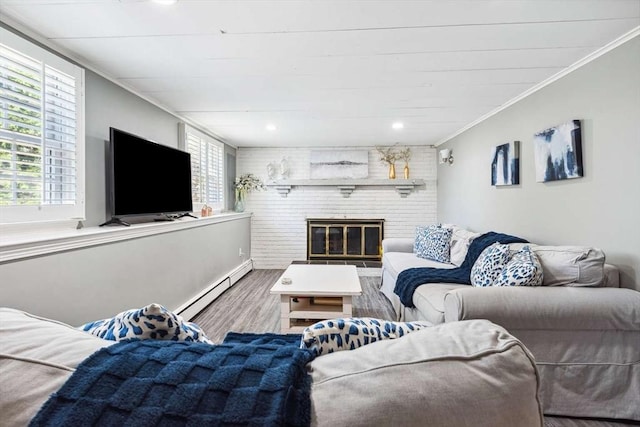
[
  {"x": 22, "y": 30},
  {"x": 573, "y": 67}
]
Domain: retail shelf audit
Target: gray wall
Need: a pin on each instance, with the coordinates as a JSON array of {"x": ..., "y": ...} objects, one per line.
[
  {"x": 93, "y": 283},
  {"x": 107, "y": 104},
  {"x": 602, "y": 208}
]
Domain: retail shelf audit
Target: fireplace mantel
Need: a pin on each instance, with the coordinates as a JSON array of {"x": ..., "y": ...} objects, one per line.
[{"x": 346, "y": 186}]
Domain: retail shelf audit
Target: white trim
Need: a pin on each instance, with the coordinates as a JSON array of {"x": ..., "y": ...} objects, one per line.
[
  {"x": 12, "y": 24},
  {"x": 573, "y": 67},
  {"x": 198, "y": 302},
  {"x": 13, "y": 248}
]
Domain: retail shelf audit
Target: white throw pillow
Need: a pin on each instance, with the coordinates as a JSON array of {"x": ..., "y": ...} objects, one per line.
[
  {"x": 460, "y": 241},
  {"x": 523, "y": 269},
  {"x": 489, "y": 265}
]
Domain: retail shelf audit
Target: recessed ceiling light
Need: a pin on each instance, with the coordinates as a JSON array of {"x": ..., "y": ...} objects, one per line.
[
  {"x": 271, "y": 127},
  {"x": 397, "y": 125},
  {"x": 165, "y": 2}
]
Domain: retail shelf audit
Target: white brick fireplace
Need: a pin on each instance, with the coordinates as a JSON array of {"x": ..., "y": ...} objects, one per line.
[{"x": 278, "y": 226}]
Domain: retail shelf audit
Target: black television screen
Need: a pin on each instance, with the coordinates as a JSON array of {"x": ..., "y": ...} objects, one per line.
[{"x": 147, "y": 178}]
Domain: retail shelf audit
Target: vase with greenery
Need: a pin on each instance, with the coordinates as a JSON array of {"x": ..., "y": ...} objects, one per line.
[
  {"x": 245, "y": 184},
  {"x": 405, "y": 155},
  {"x": 389, "y": 155}
]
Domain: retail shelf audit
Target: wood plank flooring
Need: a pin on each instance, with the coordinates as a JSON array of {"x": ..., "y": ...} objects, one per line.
[{"x": 248, "y": 306}]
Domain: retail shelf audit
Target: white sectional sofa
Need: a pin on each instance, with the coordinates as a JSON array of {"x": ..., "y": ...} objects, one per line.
[
  {"x": 582, "y": 329},
  {"x": 38, "y": 356}
]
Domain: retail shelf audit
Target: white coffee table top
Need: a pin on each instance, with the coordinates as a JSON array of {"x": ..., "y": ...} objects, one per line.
[{"x": 319, "y": 280}]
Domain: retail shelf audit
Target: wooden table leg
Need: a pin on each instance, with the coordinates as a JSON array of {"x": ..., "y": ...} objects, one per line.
[
  {"x": 285, "y": 311},
  {"x": 347, "y": 306}
]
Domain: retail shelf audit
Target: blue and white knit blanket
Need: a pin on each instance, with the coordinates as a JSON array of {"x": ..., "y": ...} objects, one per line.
[
  {"x": 408, "y": 280},
  {"x": 260, "y": 381}
]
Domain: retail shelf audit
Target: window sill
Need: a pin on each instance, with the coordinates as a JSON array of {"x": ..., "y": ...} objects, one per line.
[{"x": 23, "y": 245}]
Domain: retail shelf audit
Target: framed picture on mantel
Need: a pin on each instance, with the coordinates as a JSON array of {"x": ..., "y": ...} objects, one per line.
[{"x": 331, "y": 164}]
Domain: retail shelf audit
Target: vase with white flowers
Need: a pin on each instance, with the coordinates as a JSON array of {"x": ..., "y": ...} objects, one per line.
[{"x": 245, "y": 184}]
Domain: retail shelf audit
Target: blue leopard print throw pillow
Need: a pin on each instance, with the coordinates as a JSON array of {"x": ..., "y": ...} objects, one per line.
[
  {"x": 151, "y": 322},
  {"x": 434, "y": 243},
  {"x": 489, "y": 265},
  {"x": 422, "y": 234},
  {"x": 333, "y": 335},
  {"x": 523, "y": 269}
]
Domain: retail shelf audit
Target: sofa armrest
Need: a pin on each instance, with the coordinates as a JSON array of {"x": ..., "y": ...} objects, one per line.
[
  {"x": 397, "y": 244},
  {"x": 548, "y": 308}
]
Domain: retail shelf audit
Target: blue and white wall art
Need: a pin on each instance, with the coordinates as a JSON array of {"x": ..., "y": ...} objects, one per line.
[
  {"x": 505, "y": 164},
  {"x": 327, "y": 164},
  {"x": 558, "y": 152}
]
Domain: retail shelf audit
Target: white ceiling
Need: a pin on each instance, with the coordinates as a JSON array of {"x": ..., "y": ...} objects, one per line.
[{"x": 328, "y": 73}]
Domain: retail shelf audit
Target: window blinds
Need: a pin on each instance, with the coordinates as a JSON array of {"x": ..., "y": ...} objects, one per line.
[
  {"x": 39, "y": 137},
  {"x": 207, "y": 178}
]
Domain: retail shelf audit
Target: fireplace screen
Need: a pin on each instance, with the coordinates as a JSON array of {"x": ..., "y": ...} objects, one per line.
[{"x": 358, "y": 239}]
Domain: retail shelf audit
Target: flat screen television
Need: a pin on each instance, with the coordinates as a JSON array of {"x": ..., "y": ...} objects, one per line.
[{"x": 146, "y": 178}]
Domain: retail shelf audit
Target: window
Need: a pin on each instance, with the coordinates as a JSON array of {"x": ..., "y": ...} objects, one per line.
[
  {"x": 207, "y": 170},
  {"x": 41, "y": 134}
]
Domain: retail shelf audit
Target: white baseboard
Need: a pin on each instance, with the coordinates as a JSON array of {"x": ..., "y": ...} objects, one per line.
[{"x": 195, "y": 305}]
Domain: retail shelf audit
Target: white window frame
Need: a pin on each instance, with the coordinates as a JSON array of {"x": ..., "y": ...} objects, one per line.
[
  {"x": 43, "y": 213},
  {"x": 184, "y": 131}
]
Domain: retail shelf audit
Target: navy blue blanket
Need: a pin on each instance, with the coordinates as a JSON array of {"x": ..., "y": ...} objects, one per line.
[
  {"x": 150, "y": 382},
  {"x": 409, "y": 279}
]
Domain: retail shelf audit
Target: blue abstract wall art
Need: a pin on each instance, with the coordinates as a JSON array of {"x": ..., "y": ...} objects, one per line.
[
  {"x": 558, "y": 152},
  {"x": 505, "y": 164}
]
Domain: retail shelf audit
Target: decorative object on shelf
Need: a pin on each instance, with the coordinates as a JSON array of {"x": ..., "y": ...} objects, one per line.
[
  {"x": 392, "y": 171},
  {"x": 505, "y": 164},
  {"x": 405, "y": 155},
  {"x": 285, "y": 169},
  {"x": 446, "y": 156},
  {"x": 272, "y": 171},
  {"x": 329, "y": 164},
  {"x": 389, "y": 156},
  {"x": 558, "y": 152},
  {"x": 245, "y": 184}
]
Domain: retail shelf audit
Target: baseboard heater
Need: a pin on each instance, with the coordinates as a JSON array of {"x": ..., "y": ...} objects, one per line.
[{"x": 196, "y": 304}]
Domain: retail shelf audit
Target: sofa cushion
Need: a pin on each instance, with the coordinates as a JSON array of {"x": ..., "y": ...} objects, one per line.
[
  {"x": 150, "y": 322},
  {"x": 429, "y": 300},
  {"x": 523, "y": 269},
  {"x": 331, "y": 335},
  {"x": 433, "y": 243},
  {"x": 489, "y": 264},
  {"x": 37, "y": 356},
  {"x": 422, "y": 378},
  {"x": 571, "y": 265}
]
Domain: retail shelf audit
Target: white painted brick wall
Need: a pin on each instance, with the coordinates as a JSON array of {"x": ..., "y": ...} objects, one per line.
[{"x": 278, "y": 226}]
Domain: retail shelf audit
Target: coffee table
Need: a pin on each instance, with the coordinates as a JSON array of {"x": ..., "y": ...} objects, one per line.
[{"x": 316, "y": 292}]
